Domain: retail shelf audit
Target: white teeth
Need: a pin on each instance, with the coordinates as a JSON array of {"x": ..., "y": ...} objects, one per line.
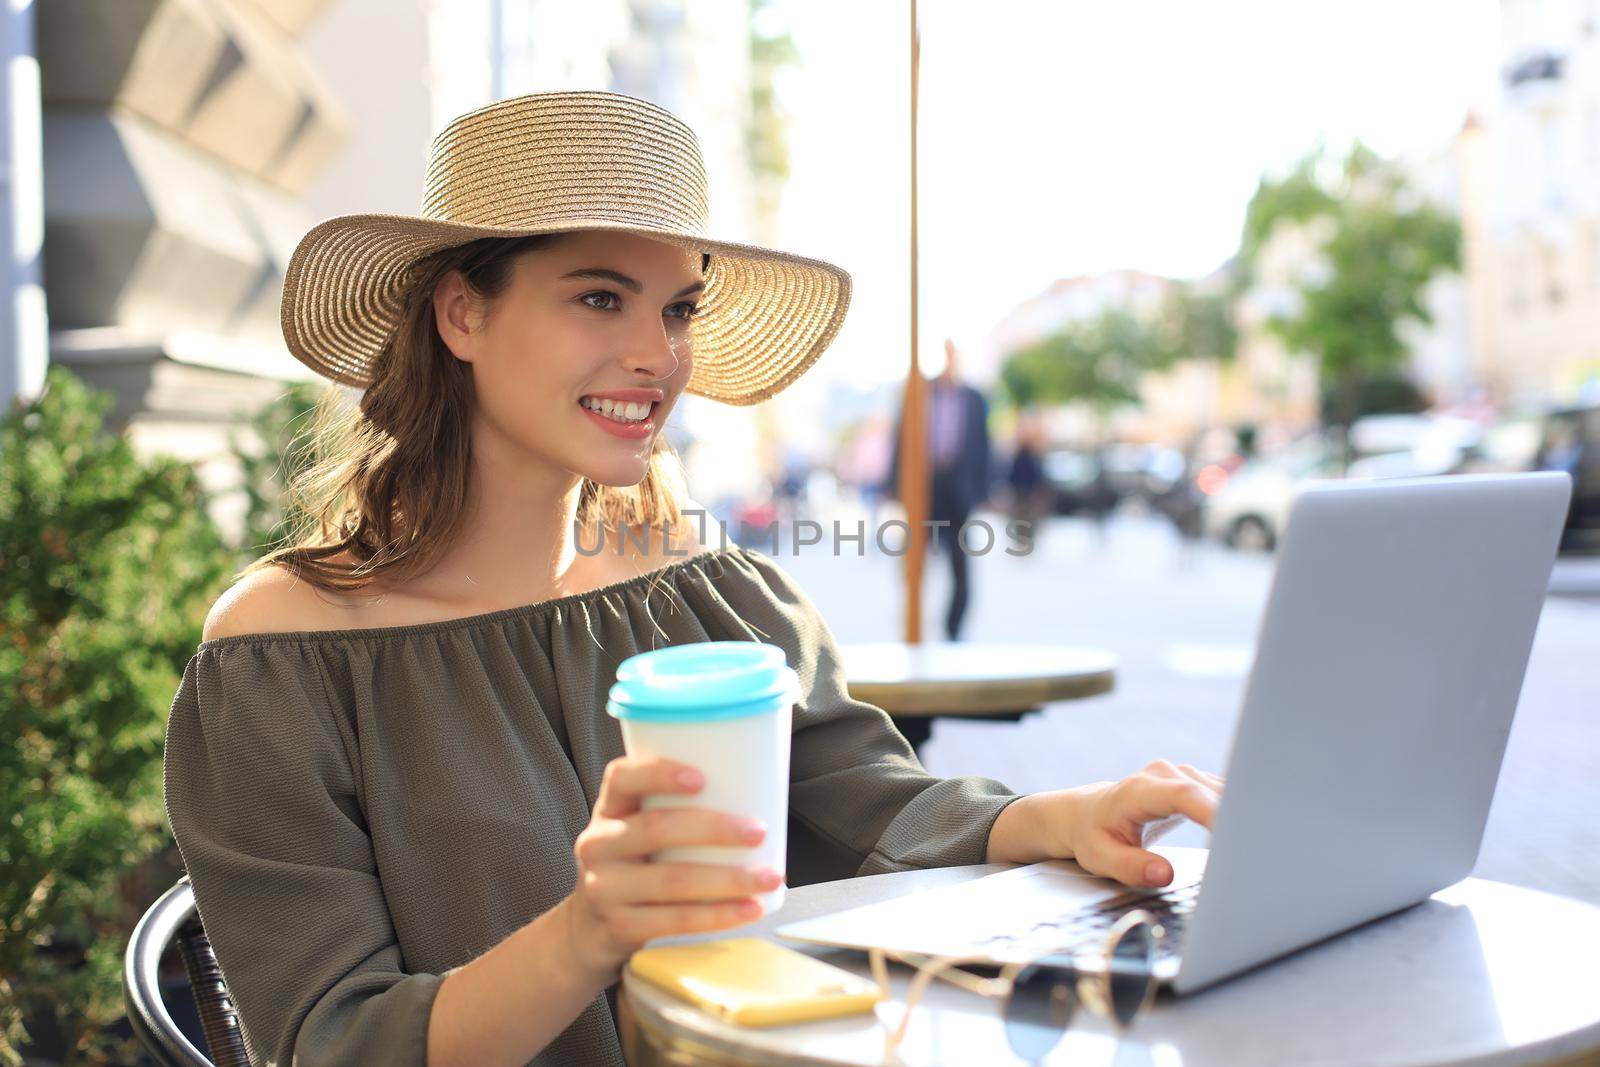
[{"x": 618, "y": 410}]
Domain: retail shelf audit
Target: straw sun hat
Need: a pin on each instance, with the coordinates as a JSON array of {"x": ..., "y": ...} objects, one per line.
[{"x": 552, "y": 162}]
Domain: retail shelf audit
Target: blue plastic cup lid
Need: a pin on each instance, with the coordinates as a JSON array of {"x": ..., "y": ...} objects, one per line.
[{"x": 702, "y": 681}]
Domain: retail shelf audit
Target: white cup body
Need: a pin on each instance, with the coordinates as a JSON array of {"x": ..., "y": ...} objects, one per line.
[{"x": 745, "y": 761}]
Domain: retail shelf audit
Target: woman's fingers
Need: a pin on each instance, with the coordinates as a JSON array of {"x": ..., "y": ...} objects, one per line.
[
  {"x": 661, "y": 883},
  {"x": 636, "y": 836},
  {"x": 639, "y": 924},
  {"x": 622, "y": 899},
  {"x": 1151, "y": 832},
  {"x": 627, "y": 779},
  {"x": 1215, "y": 781},
  {"x": 1110, "y": 857},
  {"x": 1145, "y": 800},
  {"x": 1136, "y": 811}
]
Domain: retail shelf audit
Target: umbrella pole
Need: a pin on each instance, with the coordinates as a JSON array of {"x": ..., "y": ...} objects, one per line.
[{"x": 913, "y": 437}]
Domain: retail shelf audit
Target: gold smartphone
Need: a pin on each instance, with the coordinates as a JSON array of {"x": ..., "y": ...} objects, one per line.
[{"x": 750, "y": 981}]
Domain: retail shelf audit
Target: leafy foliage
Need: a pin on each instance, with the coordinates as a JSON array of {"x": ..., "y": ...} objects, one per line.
[
  {"x": 766, "y": 132},
  {"x": 279, "y": 449},
  {"x": 108, "y": 563},
  {"x": 1097, "y": 361},
  {"x": 1198, "y": 325},
  {"x": 1385, "y": 246}
]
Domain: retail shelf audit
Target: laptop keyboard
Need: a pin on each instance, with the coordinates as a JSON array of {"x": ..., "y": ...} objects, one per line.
[{"x": 1084, "y": 929}]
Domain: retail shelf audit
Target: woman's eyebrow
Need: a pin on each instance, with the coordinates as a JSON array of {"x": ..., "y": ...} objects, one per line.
[{"x": 623, "y": 280}]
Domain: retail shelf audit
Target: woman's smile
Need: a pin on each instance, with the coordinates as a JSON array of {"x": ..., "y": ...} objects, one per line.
[{"x": 629, "y": 413}]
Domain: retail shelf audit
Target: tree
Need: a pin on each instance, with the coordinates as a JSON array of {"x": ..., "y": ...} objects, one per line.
[
  {"x": 1385, "y": 245},
  {"x": 1198, "y": 325},
  {"x": 108, "y": 563},
  {"x": 766, "y": 130},
  {"x": 1097, "y": 362}
]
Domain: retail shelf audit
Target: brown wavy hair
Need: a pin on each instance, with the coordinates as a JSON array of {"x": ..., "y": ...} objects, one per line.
[{"x": 387, "y": 476}]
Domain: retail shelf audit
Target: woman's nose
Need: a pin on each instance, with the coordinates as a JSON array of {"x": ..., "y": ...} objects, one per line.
[{"x": 657, "y": 354}]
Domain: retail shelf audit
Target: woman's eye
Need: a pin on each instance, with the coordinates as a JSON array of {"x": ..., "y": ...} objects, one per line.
[{"x": 687, "y": 308}]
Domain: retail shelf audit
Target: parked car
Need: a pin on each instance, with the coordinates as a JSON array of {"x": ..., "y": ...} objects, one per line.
[
  {"x": 1511, "y": 444},
  {"x": 1411, "y": 446},
  {"x": 1077, "y": 482},
  {"x": 1247, "y": 509},
  {"x": 1141, "y": 472}
]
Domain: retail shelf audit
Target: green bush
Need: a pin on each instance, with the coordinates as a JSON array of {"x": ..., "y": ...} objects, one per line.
[
  {"x": 282, "y": 449},
  {"x": 108, "y": 565}
]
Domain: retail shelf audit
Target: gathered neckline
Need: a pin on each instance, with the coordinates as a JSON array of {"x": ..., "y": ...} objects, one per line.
[{"x": 482, "y": 618}]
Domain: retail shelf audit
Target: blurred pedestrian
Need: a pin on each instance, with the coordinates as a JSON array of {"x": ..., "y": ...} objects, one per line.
[
  {"x": 957, "y": 416},
  {"x": 1101, "y": 496},
  {"x": 863, "y": 464},
  {"x": 1183, "y": 503},
  {"x": 1029, "y": 491},
  {"x": 790, "y": 489}
]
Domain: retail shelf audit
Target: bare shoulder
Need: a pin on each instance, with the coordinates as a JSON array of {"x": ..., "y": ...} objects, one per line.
[{"x": 269, "y": 600}]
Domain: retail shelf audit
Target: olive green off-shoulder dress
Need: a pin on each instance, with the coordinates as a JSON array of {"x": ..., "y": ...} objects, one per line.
[{"x": 362, "y": 810}]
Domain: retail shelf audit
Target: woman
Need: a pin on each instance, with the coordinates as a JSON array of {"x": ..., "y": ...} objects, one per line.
[{"x": 411, "y": 831}]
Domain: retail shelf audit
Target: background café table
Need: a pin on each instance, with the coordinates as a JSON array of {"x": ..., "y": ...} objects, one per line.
[
  {"x": 1481, "y": 973},
  {"x": 964, "y": 680}
]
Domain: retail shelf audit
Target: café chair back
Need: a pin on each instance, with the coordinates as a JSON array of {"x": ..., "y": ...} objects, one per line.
[{"x": 173, "y": 917}]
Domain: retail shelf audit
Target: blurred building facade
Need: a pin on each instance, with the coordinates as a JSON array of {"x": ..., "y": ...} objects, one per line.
[
  {"x": 188, "y": 144},
  {"x": 179, "y": 140},
  {"x": 1197, "y": 394},
  {"x": 1447, "y": 354},
  {"x": 1263, "y": 383},
  {"x": 1076, "y": 299},
  {"x": 1535, "y": 305},
  {"x": 1517, "y": 328}
]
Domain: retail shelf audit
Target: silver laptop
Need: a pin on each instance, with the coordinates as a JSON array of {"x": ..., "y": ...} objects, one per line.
[{"x": 1388, "y": 666}]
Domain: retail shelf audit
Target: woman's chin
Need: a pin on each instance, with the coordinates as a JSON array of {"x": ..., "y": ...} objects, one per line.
[{"x": 618, "y": 475}]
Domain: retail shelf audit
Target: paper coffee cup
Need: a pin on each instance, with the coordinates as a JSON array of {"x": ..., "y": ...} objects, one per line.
[{"x": 724, "y": 708}]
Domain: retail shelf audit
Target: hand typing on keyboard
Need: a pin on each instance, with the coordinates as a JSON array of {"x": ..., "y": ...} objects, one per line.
[{"x": 1106, "y": 826}]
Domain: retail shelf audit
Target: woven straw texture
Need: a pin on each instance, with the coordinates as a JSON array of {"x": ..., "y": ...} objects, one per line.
[{"x": 556, "y": 162}]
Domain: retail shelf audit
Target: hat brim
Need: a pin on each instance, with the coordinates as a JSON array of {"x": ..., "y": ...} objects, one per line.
[{"x": 763, "y": 319}]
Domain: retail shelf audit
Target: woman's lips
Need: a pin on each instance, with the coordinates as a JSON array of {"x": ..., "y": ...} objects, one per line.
[{"x": 630, "y": 430}]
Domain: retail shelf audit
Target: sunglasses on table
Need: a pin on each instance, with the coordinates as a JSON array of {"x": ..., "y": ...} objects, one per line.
[{"x": 1040, "y": 995}]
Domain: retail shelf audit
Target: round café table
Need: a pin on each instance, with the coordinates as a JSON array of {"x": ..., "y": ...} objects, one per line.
[
  {"x": 917, "y": 683},
  {"x": 1481, "y": 973}
]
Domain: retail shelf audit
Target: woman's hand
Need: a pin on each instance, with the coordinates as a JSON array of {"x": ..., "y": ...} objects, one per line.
[
  {"x": 1103, "y": 825},
  {"x": 622, "y": 899}
]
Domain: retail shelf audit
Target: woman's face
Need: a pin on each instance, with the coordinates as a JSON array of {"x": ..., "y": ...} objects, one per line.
[{"x": 567, "y": 359}]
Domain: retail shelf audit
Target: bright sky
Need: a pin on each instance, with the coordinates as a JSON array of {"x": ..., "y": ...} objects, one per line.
[{"x": 1062, "y": 138}]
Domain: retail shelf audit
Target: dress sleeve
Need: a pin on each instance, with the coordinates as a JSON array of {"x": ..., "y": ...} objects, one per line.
[
  {"x": 262, "y": 801},
  {"x": 860, "y": 802}
]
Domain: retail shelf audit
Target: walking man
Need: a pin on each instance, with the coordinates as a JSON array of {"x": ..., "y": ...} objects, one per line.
[{"x": 958, "y": 445}]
